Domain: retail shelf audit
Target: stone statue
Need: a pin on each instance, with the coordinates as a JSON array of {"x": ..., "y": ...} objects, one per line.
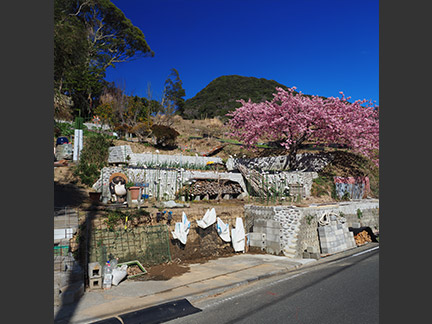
[{"x": 117, "y": 187}]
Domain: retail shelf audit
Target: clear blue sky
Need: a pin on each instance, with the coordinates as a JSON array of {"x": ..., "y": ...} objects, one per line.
[{"x": 320, "y": 46}]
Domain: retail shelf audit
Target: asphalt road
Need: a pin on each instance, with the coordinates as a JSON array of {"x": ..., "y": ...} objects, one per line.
[{"x": 341, "y": 291}]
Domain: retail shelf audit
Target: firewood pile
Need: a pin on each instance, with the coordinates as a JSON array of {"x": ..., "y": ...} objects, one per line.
[
  {"x": 211, "y": 188},
  {"x": 362, "y": 238}
]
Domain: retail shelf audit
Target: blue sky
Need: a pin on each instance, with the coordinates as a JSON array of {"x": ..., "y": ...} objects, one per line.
[{"x": 320, "y": 46}]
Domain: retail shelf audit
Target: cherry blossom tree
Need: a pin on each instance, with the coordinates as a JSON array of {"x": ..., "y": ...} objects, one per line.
[{"x": 292, "y": 118}]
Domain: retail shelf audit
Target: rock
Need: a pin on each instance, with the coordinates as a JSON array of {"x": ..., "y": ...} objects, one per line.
[
  {"x": 64, "y": 152},
  {"x": 173, "y": 204}
]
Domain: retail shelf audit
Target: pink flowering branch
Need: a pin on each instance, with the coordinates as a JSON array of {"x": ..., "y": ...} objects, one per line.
[{"x": 292, "y": 118}]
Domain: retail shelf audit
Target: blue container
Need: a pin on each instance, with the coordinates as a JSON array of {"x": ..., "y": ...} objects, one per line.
[
  {"x": 62, "y": 140},
  {"x": 145, "y": 196}
]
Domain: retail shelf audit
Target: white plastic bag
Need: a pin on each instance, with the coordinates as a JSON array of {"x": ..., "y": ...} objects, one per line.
[
  {"x": 181, "y": 229},
  {"x": 208, "y": 219},
  {"x": 118, "y": 274},
  {"x": 223, "y": 230},
  {"x": 238, "y": 236}
]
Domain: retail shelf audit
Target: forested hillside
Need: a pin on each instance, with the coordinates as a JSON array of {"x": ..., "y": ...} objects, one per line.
[{"x": 220, "y": 96}]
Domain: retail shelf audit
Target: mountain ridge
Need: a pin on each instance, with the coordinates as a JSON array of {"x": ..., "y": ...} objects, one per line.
[{"x": 220, "y": 96}]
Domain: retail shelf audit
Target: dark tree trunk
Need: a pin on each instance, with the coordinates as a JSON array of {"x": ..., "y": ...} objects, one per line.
[{"x": 292, "y": 160}]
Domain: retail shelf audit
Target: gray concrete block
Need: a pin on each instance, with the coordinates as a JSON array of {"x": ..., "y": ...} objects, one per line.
[
  {"x": 339, "y": 232},
  {"x": 256, "y": 236},
  {"x": 272, "y": 231},
  {"x": 273, "y": 238},
  {"x": 94, "y": 270},
  {"x": 272, "y": 224},
  {"x": 95, "y": 283},
  {"x": 260, "y": 222},
  {"x": 315, "y": 255},
  {"x": 324, "y": 229},
  {"x": 257, "y": 243},
  {"x": 273, "y": 247},
  {"x": 312, "y": 249},
  {"x": 259, "y": 229}
]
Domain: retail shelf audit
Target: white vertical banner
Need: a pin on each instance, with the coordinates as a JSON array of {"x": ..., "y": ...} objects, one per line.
[{"x": 78, "y": 144}]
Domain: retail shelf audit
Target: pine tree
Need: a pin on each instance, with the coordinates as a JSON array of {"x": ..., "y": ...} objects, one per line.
[{"x": 174, "y": 93}]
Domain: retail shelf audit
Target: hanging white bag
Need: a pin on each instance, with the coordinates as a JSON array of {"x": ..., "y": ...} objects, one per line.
[
  {"x": 181, "y": 229},
  {"x": 208, "y": 219},
  {"x": 223, "y": 230},
  {"x": 238, "y": 236}
]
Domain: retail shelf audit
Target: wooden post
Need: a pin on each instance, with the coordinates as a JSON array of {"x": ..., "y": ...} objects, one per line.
[
  {"x": 139, "y": 197},
  {"x": 129, "y": 198}
]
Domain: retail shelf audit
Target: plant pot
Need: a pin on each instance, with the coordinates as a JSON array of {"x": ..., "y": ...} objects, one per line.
[
  {"x": 95, "y": 196},
  {"x": 134, "y": 191}
]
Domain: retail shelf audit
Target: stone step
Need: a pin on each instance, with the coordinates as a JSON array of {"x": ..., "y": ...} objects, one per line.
[{"x": 289, "y": 251}]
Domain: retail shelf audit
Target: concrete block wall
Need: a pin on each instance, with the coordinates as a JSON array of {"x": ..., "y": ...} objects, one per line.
[
  {"x": 335, "y": 237},
  {"x": 308, "y": 237},
  {"x": 299, "y": 231},
  {"x": 257, "y": 212},
  {"x": 68, "y": 280},
  {"x": 268, "y": 233},
  {"x": 284, "y": 179},
  {"x": 180, "y": 161},
  {"x": 369, "y": 213},
  {"x": 274, "y": 229},
  {"x": 368, "y": 207},
  {"x": 123, "y": 154}
]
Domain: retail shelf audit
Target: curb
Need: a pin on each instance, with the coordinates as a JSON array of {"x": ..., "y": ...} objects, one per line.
[{"x": 207, "y": 293}]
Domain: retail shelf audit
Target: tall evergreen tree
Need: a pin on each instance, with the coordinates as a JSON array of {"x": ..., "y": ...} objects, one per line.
[
  {"x": 174, "y": 93},
  {"x": 89, "y": 37}
]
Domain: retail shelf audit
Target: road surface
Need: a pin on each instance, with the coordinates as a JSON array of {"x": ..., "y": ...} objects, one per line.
[{"x": 341, "y": 291}]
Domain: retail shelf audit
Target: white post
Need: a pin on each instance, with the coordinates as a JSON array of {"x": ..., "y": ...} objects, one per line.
[{"x": 78, "y": 144}]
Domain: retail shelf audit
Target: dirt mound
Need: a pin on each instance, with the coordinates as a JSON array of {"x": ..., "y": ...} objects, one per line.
[
  {"x": 163, "y": 271},
  {"x": 207, "y": 245}
]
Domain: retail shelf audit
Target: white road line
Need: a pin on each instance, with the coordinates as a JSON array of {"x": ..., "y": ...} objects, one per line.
[
  {"x": 366, "y": 251},
  {"x": 278, "y": 281}
]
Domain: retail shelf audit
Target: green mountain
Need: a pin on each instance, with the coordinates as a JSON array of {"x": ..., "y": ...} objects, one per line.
[{"x": 219, "y": 96}]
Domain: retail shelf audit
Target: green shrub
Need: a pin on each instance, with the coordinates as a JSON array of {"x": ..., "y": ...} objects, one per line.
[
  {"x": 63, "y": 129},
  {"x": 165, "y": 136},
  {"x": 94, "y": 156}
]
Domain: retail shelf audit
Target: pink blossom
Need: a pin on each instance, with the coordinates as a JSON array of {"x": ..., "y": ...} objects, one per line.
[{"x": 292, "y": 119}]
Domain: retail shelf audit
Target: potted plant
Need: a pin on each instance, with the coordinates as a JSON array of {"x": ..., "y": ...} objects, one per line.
[
  {"x": 95, "y": 196},
  {"x": 134, "y": 190}
]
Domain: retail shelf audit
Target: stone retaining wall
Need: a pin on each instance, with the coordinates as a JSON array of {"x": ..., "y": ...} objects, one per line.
[
  {"x": 123, "y": 155},
  {"x": 162, "y": 183},
  {"x": 306, "y": 162},
  {"x": 298, "y": 226}
]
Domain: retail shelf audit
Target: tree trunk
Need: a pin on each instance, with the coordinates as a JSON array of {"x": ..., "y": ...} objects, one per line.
[
  {"x": 292, "y": 164},
  {"x": 292, "y": 159}
]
